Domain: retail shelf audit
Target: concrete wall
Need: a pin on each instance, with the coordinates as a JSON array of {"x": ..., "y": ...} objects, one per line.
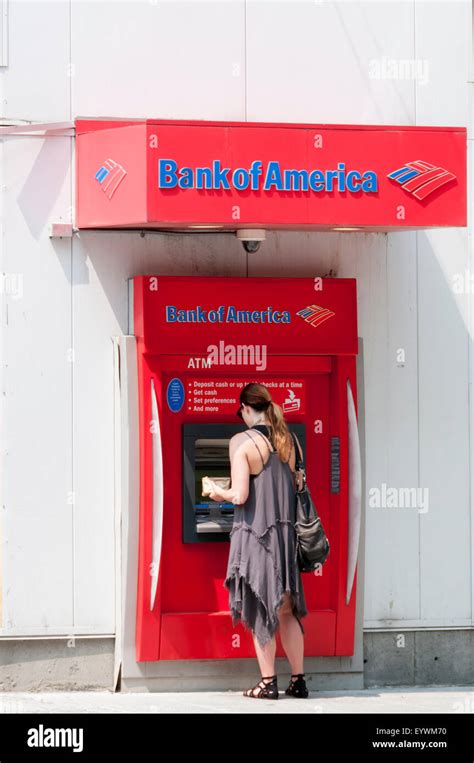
[{"x": 324, "y": 62}]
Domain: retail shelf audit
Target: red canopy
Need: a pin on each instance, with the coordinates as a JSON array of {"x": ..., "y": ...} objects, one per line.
[{"x": 229, "y": 175}]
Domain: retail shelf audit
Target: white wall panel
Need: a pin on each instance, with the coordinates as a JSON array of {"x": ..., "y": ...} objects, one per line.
[
  {"x": 176, "y": 60},
  {"x": 445, "y": 587},
  {"x": 36, "y": 389},
  {"x": 392, "y": 571},
  {"x": 319, "y": 61},
  {"x": 36, "y": 84},
  {"x": 445, "y": 543},
  {"x": 94, "y": 538},
  {"x": 443, "y": 41}
]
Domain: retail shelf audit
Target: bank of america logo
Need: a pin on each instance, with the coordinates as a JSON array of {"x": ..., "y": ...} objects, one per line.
[
  {"x": 315, "y": 314},
  {"x": 110, "y": 176},
  {"x": 420, "y": 179}
]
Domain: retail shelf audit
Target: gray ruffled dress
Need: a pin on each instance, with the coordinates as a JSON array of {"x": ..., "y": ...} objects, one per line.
[{"x": 262, "y": 562}]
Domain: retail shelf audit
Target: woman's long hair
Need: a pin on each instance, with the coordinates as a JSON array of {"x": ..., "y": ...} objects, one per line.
[{"x": 258, "y": 396}]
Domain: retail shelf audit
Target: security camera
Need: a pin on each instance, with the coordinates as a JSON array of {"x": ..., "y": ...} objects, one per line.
[
  {"x": 251, "y": 246},
  {"x": 251, "y": 238}
]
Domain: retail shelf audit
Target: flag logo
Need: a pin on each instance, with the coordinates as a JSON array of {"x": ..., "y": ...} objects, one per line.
[
  {"x": 420, "y": 179},
  {"x": 110, "y": 175},
  {"x": 315, "y": 315}
]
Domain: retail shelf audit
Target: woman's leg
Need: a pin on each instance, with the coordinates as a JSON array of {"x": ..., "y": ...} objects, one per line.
[
  {"x": 266, "y": 661},
  {"x": 266, "y": 656},
  {"x": 292, "y": 638}
]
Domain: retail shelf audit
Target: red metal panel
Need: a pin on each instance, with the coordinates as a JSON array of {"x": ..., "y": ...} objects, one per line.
[
  {"x": 381, "y": 151},
  {"x": 190, "y": 618},
  {"x": 210, "y": 636},
  {"x": 341, "y": 154},
  {"x": 163, "y": 296},
  {"x": 111, "y": 177},
  {"x": 314, "y": 364}
]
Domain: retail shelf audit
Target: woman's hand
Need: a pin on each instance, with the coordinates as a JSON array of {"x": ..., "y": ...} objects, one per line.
[
  {"x": 210, "y": 489},
  {"x": 299, "y": 480},
  {"x": 206, "y": 485}
]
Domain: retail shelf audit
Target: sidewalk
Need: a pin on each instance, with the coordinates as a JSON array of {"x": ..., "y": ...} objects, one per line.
[{"x": 403, "y": 700}]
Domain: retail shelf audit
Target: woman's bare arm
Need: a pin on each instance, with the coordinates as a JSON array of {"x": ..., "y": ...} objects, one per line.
[{"x": 240, "y": 475}]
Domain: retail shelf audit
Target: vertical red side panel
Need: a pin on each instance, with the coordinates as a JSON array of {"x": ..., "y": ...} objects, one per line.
[{"x": 111, "y": 177}]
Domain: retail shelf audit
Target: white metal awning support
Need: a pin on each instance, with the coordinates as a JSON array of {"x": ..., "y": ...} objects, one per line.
[{"x": 37, "y": 129}]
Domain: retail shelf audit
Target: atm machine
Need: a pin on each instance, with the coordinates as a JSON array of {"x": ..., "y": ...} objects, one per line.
[{"x": 199, "y": 340}]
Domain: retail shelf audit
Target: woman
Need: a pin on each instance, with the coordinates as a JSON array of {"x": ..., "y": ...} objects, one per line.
[{"x": 263, "y": 578}]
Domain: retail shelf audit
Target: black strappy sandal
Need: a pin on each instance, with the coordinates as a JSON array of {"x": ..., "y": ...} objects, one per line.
[
  {"x": 267, "y": 691},
  {"x": 297, "y": 688}
]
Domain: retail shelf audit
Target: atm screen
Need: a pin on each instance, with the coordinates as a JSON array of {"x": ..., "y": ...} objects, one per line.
[
  {"x": 206, "y": 454},
  {"x": 211, "y": 459}
]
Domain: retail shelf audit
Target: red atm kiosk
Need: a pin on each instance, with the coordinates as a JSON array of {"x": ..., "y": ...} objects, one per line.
[{"x": 199, "y": 340}]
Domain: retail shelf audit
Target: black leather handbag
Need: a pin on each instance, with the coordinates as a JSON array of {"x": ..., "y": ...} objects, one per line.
[{"x": 312, "y": 543}]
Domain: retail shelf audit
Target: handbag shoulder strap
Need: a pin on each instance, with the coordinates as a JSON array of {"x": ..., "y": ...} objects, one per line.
[{"x": 299, "y": 463}]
